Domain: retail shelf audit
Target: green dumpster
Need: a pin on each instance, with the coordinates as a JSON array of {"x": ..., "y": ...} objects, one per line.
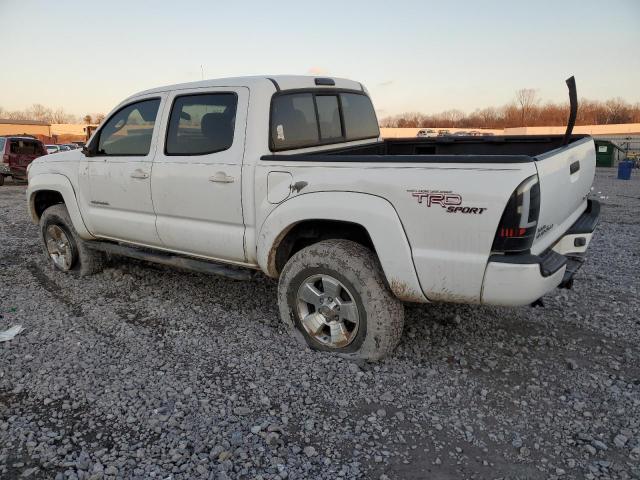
[{"x": 604, "y": 153}]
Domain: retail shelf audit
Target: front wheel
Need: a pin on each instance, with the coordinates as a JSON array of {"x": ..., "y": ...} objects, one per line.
[
  {"x": 64, "y": 247},
  {"x": 333, "y": 293}
]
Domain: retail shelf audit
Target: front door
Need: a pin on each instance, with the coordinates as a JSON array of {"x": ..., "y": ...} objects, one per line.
[
  {"x": 119, "y": 174},
  {"x": 196, "y": 181}
]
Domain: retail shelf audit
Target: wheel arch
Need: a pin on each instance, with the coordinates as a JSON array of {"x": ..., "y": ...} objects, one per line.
[
  {"x": 50, "y": 189},
  {"x": 366, "y": 219}
]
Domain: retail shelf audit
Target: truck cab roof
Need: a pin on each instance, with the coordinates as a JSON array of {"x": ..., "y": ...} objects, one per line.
[{"x": 279, "y": 82}]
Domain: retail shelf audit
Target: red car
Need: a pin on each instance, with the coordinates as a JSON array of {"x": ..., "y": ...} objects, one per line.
[{"x": 17, "y": 153}]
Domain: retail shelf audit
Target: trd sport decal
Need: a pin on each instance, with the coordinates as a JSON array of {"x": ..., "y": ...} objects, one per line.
[{"x": 448, "y": 200}]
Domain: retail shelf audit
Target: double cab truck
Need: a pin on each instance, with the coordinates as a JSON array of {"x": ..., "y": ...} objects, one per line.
[{"x": 288, "y": 175}]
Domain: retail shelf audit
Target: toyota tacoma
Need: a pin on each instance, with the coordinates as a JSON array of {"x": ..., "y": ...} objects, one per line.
[{"x": 288, "y": 175}]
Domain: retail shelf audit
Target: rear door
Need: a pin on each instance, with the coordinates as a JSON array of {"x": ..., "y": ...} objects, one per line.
[
  {"x": 566, "y": 175},
  {"x": 196, "y": 181}
]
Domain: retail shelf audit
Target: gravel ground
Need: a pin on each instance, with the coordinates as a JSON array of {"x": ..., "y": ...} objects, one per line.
[{"x": 147, "y": 372}]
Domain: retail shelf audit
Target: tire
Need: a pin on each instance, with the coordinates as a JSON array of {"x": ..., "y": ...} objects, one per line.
[
  {"x": 82, "y": 261},
  {"x": 1, "y": 180},
  {"x": 352, "y": 273}
]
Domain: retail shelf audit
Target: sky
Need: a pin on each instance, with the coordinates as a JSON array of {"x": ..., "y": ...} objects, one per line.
[{"x": 426, "y": 56}]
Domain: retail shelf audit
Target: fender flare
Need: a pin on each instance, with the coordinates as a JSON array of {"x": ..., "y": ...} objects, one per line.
[
  {"x": 61, "y": 184},
  {"x": 373, "y": 213}
]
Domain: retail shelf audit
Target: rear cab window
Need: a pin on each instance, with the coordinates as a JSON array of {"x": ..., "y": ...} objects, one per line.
[{"x": 320, "y": 117}]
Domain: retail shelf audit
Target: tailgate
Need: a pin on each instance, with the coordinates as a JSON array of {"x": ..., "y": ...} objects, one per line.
[{"x": 566, "y": 175}]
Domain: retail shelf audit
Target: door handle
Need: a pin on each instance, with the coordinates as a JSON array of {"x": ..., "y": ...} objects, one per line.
[
  {"x": 574, "y": 167},
  {"x": 221, "y": 177},
  {"x": 139, "y": 174}
]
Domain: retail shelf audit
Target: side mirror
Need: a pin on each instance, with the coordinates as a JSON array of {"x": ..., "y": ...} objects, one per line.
[{"x": 86, "y": 151}]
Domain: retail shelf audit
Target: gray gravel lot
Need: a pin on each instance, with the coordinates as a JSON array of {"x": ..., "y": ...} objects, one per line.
[{"x": 147, "y": 372}]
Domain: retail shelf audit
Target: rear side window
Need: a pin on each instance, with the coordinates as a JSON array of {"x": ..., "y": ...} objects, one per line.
[
  {"x": 128, "y": 132},
  {"x": 201, "y": 124},
  {"x": 25, "y": 147},
  {"x": 310, "y": 119}
]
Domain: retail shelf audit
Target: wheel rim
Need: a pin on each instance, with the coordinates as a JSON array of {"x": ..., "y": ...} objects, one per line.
[
  {"x": 59, "y": 247},
  {"x": 328, "y": 311}
]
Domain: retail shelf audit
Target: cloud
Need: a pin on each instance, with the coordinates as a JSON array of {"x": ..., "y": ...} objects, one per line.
[
  {"x": 386, "y": 84},
  {"x": 317, "y": 71}
]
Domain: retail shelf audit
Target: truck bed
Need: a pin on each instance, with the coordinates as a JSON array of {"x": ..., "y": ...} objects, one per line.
[
  {"x": 481, "y": 172},
  {"x": 491, "y": 149}
]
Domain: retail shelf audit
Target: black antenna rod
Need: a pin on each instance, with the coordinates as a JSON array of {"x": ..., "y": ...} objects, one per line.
[{"x": 573, "y": 108}]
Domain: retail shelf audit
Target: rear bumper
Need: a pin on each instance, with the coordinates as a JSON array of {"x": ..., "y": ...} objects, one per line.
[{"x": 522, "y": 279}]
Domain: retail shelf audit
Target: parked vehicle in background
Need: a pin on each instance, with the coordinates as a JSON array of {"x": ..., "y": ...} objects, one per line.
[
  {"x": 17, "y": 153},
  {"x": 52, "y": 148},
  {"x": 444, "y": 132},
  {"x": 65, "y": 148},
  {"x": 461, "y": 133},
  {"x": 70, "y": 146},
  {"x": 427, "y": 132},
  {"x": 487, "y": 134},
  {"x": 475, "y": 133},
  {"x": 289, "y": 176}
]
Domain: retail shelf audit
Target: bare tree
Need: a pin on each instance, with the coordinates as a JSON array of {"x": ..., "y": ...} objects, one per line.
[
  {"x": 60, "y": 116},
  {"x": 17, "y": 115},
  {"x": 618, "y": 111},
  {"x": 452, "y": 117},
  {"x": 100, "y": 118},
  {"x": 39, "y": 113},
  {"x": 526, "y": 98},
  {"x": 87, "y": 119}
]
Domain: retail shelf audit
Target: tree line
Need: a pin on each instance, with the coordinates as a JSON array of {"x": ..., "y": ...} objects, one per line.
[
  {"x": 40, "y": 113},
  {"x": 525, "y": 110}
]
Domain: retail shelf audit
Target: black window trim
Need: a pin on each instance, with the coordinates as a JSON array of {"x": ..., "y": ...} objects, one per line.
[
  {"x": 166, "y": 133},
  {"x": 95, "y": 142},
  {"x": 317, "y": 92}
]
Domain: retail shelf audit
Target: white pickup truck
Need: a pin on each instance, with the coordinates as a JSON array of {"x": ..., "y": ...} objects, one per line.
[{"x": 288, "y": 175}]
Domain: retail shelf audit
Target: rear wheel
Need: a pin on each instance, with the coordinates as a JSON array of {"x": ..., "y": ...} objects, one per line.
[
  {"x": 62, "y": 245},
  {"x": 1, "y": 180},
  {"x": 333, "y": 295}
]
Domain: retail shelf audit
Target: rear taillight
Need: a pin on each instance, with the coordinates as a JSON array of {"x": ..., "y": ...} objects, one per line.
[
  {"x": 517, "y": 227},
  {"x": 5, "y": 158}
]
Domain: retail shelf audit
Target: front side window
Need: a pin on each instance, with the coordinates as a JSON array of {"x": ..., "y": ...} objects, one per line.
[
  {"x": 128, "y": 132},
  {"x": 309, "y": 119},
  {"x": 201, "y": 124}
]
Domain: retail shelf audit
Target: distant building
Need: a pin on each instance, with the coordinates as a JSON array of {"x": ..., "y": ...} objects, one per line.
[
  {"x": 47, "y": 132},
  {"x": 25, "y": 127}
]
